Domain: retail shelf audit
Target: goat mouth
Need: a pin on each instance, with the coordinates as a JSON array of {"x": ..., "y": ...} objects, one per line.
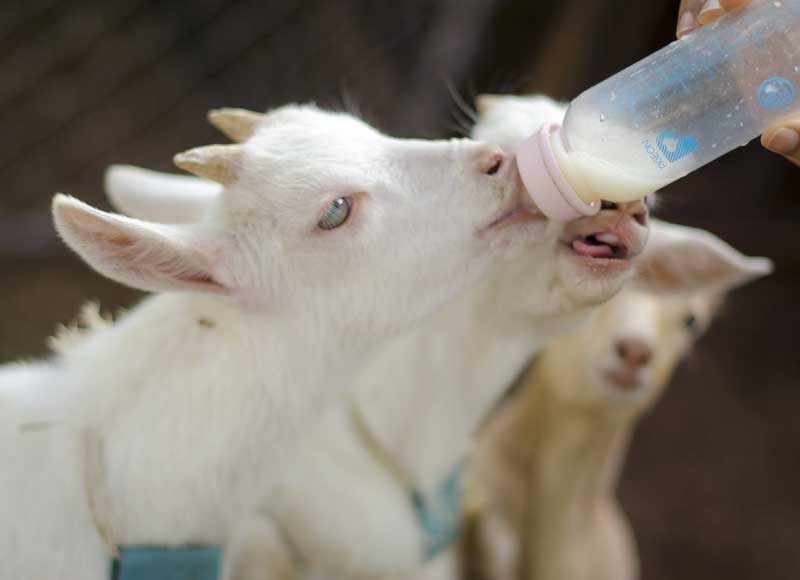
[
  {"x": 623, "y": 380},
  {"x": 514, "y": 216},
  {"x": 601, "y": 246},
  {"x": 519, "y": 211},
  {"x": 520, "y": 208}
]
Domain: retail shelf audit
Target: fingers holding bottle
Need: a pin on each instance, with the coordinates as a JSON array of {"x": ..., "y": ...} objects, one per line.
[
  {"x": 693, "y": 14},
  {"x": 784, "y": 139},
  {"x": 687, "y": 16}
]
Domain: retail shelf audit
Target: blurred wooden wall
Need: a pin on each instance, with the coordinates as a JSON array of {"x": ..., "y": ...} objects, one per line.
[{"x": 712, "y": 485}]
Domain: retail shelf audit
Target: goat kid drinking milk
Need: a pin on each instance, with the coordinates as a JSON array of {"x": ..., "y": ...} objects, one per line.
[
  {"x": 169, "y": 427},
  {"x": 373, "y": 491}
]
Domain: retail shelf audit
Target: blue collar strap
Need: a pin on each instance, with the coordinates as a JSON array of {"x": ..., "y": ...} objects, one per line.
[
  {"x": 167, "y": 563},
  {"x": 440, "y": 516}
]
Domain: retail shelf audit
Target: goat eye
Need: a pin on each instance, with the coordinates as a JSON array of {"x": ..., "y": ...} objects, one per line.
[
  {"x": 690, "y": 322},
  {"x": 336, "y": 214}
]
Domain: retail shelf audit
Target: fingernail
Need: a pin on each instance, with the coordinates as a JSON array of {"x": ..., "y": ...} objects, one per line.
[
  {"x": 711, "y": 11},
  {"x": 783, "y": 141},
  {"x": 730, "y": 5},
  {"x": 686, "y": 23}
]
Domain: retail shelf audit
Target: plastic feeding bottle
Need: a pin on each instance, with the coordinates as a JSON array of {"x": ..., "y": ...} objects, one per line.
[{"x": 673, "y": 112}]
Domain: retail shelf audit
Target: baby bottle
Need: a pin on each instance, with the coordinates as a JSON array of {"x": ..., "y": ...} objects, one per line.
[{"x": 669, "y": 114}]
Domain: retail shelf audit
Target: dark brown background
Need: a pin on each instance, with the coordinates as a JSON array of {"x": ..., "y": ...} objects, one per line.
[{"x": 713, "y": 482}]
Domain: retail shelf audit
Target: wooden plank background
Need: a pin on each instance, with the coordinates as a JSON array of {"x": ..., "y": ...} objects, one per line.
[{"x": 712, "y": 484}]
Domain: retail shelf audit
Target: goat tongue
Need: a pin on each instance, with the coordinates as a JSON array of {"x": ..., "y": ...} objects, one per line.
[{"x": 593, "y": 250}]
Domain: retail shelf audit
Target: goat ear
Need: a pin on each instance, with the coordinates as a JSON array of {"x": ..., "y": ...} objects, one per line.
[
  {"x": 236, "y": 124},
  {"x": 679, "y": 258},
  {"x": 485, "y": 102},
  {"x": 152, "y": 257},
  {"x": 159, "y": 197}
]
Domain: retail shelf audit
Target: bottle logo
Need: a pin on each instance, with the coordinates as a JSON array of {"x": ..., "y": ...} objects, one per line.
[
  {"x": 674, "y": 147},
  {"x": 776, "y": 93}
]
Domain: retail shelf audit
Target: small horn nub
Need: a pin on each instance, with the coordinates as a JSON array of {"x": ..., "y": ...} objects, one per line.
[
  {"x": 485, "y": 102},
  {"x": 218, "y": 163},
  {"x": 236, "y": 124}
]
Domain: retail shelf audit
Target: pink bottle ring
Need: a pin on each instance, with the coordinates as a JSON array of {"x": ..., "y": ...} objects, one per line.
[{"x": 545, "y": 182}]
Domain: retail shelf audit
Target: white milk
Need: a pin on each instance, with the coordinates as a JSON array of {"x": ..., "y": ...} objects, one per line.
[{"x": 593, "y": 178}]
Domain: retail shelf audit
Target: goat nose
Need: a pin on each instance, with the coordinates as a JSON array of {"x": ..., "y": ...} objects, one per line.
[
  {"x": 634, "y": 352},
  {"x": 636, "y": 209},
  {"x": 490, "y": 159}
]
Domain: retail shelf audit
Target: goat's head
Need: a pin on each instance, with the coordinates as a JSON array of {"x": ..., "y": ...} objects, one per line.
[
  {"x": 320, "y": 211},
  {"x": 582, "y": 263}
]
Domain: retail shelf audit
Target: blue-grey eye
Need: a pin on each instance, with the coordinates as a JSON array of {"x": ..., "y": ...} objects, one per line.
[{"x": 336, "y": 214}]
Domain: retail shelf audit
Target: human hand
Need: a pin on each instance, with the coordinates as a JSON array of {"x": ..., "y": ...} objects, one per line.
[
  {"x": 783, "y": 138},
  {"x": 695, "y": 13}
]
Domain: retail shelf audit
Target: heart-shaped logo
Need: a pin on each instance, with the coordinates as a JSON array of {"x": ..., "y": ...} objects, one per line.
[{"x": 674, "y": 147}]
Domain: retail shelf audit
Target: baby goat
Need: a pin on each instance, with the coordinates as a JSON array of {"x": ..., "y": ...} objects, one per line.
[{"x": 169, "y": 426}]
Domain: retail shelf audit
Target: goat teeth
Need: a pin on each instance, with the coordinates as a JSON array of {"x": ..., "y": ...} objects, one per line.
[{"x": 610, "y": 239}]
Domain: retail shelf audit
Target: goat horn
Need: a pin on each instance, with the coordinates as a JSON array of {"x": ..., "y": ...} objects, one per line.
[
  {"x": 237, "y": 124},
  {"x": 220, "y": 163}
]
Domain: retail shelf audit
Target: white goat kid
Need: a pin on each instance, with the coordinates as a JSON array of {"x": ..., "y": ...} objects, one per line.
[
  {"x": 168, "y": 427},
  {"x": 352, "y": 502},
  {"x": 545, "y": 469}
]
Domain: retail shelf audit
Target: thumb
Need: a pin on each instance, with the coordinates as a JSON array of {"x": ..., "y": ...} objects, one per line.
[{"x": 784, "y": 139}]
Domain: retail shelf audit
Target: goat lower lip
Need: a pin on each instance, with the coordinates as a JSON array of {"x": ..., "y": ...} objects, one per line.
[
  {"x": 593, "y": 250},
  {"x": 623, "y": 380},
  {"x": 593, "y": 247}
]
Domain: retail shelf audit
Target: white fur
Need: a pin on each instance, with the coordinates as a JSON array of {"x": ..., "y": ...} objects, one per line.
[
  {"x": 339, "y": 507},
  {"x": 195, "y": 400}
]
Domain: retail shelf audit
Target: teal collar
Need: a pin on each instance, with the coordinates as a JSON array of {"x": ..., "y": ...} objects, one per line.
[
  {"x": 197, "y": 562},
  {"x": 439, "y": 514},
  {"x": 166, "y": 563}
]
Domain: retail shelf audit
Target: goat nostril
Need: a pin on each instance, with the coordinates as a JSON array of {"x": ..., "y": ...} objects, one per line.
[
  {"x": 638, "y": 211},
  {"x": 494, "y": 165},
  {"x": 610, "y": 205},
  {"x": 489, "y": 159}
]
